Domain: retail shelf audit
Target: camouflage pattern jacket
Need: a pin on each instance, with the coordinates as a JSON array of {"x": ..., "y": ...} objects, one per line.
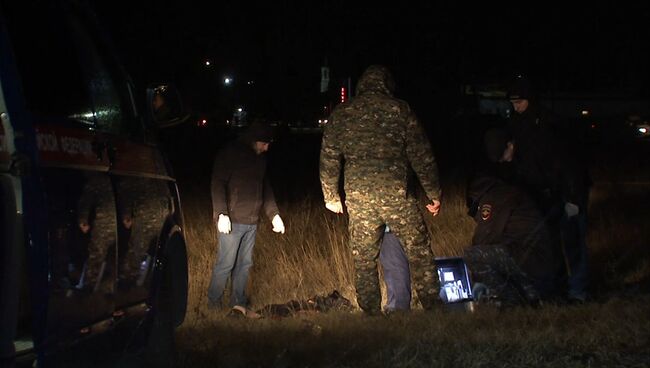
[{"x": 379, "y": 138}]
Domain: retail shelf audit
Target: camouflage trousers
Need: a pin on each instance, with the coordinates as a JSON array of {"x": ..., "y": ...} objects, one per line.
[
  {"x": 97, "y": 207},
  {"x": 368, "y": 216},
  {"x": 493, "y": 266},
  {"x": 147, "y": 202}
]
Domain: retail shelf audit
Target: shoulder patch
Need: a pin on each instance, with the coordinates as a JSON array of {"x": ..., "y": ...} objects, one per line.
[{"x": 486, "y": 212}]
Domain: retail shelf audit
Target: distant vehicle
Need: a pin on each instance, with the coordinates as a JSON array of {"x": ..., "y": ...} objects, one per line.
[
  {"x": 639, "y": 125},
  {"x": 91, "y": 240}
]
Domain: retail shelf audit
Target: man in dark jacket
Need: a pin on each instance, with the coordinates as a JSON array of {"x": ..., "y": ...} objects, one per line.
[
  {"x": 550, "y": 166},
  {"x": 512, "y": 251},
  {"x": 240, "y": 190}
]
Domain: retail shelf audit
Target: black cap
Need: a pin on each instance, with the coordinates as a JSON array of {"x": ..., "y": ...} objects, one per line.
[
  {"x": 519, "y": 89},
  {"x": 259, "y": 132},
  {"x": 496, "y": 141}
]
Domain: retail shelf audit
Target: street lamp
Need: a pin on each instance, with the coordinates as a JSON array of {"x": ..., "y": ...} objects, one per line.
[{"x": 227, "y": 81}]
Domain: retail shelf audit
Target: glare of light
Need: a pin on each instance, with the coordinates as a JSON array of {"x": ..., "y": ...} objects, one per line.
[
  {"x": 204, "y": 121},
  {"x": 240, "y": 109},
  {"x": 593, "y": 126},
  {"x": 325, "y": 121},
  {"x": 207, "y": 63},
  {"x": 320, "y": 121},
  {"x": 584, "y": 112},
  {"x": 643, "y": 130},
  {"x": 227, "y": 81},
  {"x": 250, "y": 83}
]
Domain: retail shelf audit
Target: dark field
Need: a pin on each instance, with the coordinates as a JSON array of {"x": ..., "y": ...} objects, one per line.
[{"x": 613, "y": 329}]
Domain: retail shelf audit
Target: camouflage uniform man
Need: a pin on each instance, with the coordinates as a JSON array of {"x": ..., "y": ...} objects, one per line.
[{"x": 380, "y": 139}]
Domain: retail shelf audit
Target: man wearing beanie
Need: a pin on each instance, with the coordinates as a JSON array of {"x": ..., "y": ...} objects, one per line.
[
  {"x": 549, "y": 166},
  {"x": 240, "y": 191}
]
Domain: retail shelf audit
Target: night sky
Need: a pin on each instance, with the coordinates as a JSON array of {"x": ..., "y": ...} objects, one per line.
[{"x": 431, "y": 48}]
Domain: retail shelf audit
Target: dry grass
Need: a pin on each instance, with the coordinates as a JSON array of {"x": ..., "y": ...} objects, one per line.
[
  {"x": 597, "y": 335},
  {"x": 312, "y": 258}
]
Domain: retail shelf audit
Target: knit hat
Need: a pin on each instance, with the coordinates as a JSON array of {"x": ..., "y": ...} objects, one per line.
[
  {"x": 259, "y": 132},
  {"x": 520, "y": 89}
]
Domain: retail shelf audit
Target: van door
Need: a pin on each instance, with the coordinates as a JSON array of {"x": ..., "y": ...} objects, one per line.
[
  {"x": 138, "y": 173},
  {"x": 73, "y": 164}
]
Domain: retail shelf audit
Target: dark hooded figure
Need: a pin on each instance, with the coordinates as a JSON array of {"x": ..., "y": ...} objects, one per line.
[
  {"x": 512, "y": 251},
  {"x": 550, "y": 164},
  {"x": 381, "y": 140}
]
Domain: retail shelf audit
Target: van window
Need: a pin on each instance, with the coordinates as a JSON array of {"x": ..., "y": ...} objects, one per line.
[
  {"x": 48, "y": 65},
  {"x": 66, "y": 69},
  {"x": 102, "y": 88}
]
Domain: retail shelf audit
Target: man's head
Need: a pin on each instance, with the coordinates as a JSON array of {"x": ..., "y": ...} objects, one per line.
[
  {"x": 158, "y": 101},
  {"x": 519, "y": 94},
  {"x": 260, "y": 135},
  {"x": 499, "y": 145},
  {"x": 378, "y": 79}
]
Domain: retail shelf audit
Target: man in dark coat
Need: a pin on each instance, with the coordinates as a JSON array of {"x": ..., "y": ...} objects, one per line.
[
  {"x": 240, "y": 191},
  {"x": 550, "y": 165}
]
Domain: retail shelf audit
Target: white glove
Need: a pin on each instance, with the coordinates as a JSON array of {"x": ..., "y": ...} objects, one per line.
[
  {"x": 571, "y": 209},
  {"x": 335, "y": 207},
  {"x": 278, "y": 225},
  {"x": 224, "y": 224}
]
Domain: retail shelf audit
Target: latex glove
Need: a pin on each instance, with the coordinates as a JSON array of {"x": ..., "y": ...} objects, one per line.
[
  {"x": 223, "y": 224},
  {"x": 571, "y": 209},
  {"x": 336, "y": 207},
  {"x": 434, "y": 207},
  {"x": 278, "y": 225}
]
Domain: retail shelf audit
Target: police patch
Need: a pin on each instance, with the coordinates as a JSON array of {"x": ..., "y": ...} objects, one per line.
[{"x": 486, "y": 212}]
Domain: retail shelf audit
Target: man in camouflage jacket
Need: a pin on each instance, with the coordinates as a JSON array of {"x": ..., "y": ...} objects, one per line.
[{"x": 379, "y": 139}]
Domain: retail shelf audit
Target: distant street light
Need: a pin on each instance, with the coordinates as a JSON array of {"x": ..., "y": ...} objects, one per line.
[
  {"x": 227, "y": 81},
  {"x": 207, "y": 63}
]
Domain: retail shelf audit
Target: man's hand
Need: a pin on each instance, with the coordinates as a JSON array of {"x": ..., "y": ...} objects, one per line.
[
  {"x": 223, "y": 224},
  {"x": 84, "y": 226},
  {"x": 434, "y": 207},
  {"x": 127, "y": 221},
  {"x": 336, "y": 207},
  {"x": 278, "y": 225}
]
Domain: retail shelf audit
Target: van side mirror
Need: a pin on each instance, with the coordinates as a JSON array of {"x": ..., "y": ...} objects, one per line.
[{"x": 165, "y": 106}]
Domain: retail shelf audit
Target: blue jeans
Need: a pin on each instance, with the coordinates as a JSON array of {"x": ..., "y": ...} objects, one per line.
[
  {"x": 234, "y": 260},
  {"x": 396, "y": 273}
]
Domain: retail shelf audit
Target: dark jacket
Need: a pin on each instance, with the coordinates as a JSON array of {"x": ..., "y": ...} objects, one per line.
[
  {"x": 240, "y": 187},
  {"x": 506, "y": 216},
  {"x": 549, "y": 162}
]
